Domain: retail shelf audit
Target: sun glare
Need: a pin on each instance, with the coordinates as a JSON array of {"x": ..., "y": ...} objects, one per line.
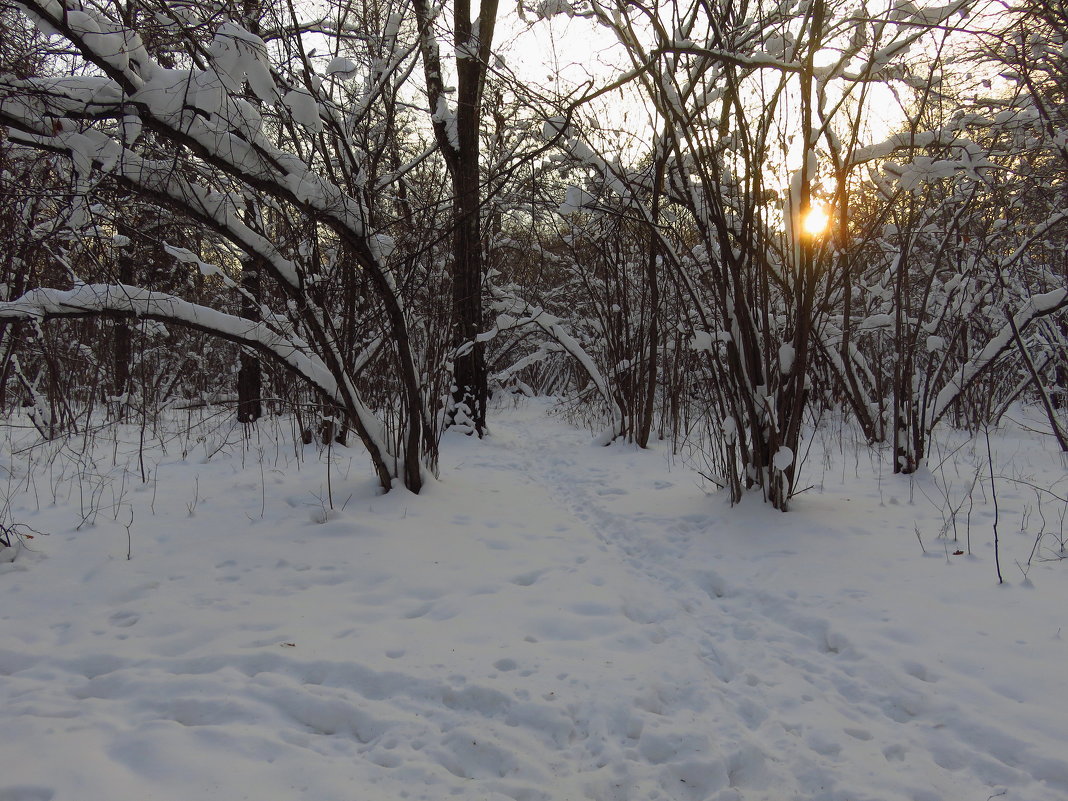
[{"x": 816, "y": 221}]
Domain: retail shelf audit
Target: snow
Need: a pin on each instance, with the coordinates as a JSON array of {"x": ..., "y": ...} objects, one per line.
[
  {"x": 549, "y": 621},
  {"x": 131, "y": 129},
  {"x": 703, "y": 340},
  {"x": 553, "y": 128},
  {"x": 304, "y": 108},
  {"x": 343, "y": 68},
  {"x": 875, "y": 322},
  {"x": 238, "y": 55},
  {"x": 576, "y": 199},
  {"x": 445, "y": 116},
  {"x": 551, "y": 8},
  {"x": 787, "y": 355}
]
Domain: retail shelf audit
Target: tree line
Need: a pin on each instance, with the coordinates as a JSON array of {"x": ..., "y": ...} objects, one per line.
[{"x": 202, "y": 201}]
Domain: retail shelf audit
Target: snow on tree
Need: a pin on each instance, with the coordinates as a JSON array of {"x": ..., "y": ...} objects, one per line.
[{"x": 233, "y": 124}]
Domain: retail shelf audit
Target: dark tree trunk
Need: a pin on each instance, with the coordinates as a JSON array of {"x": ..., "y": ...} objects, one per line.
[
  {"x": 469, "y": 377},
  {"x": 460, "y": 148},
  {"x": 1060, "y": 380},
  {"x": 652, "y": 332},
  {"x": 122, "y": 339},
  {"x": 250, "y": 372}
]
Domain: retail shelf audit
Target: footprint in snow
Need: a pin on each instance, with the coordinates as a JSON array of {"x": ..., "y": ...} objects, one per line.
[
  {"x": 918, "y": 671},
  {"x": 894, "y": 753},
  {"x": 526, "y": 579},
  {"x": 419, "y": 611},
  {"x": 123, "y": 620}
]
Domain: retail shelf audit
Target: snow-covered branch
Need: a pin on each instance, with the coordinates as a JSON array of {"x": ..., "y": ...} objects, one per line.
[
  {"x": 120, "y": 300},
  {"x": 1033, "y": 308}
]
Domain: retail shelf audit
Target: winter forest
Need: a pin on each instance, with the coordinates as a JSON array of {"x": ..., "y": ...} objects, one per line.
[{"x": 400, "y": 399}]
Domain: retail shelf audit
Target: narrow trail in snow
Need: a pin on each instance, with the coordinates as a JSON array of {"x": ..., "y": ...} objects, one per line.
[{"x": 809, "y": 699}]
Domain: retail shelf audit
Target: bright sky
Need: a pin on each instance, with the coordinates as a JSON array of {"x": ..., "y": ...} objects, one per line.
[
  {"x": 566, "y": 55},
  {"x": 558, "y": 52}
]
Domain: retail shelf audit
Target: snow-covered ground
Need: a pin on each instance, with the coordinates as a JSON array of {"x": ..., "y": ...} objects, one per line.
[{"x": 551, "y": 621}]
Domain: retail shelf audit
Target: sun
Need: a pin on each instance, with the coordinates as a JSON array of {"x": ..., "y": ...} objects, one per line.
[{"x": 816, "y": 221}]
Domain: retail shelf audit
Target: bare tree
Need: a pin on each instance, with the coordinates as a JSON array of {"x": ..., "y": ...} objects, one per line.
[
  {"x": 301, "y": 160},
  {"x": 753, "y": 112}
]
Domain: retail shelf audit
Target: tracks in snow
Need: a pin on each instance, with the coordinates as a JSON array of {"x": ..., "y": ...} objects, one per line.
[
  {"x": 784, "y": 688},
  {"x": 551, "y": 622}
]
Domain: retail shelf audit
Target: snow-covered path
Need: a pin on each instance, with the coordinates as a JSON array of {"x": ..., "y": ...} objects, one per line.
[
  {"x": 550, "y": 622},
  {"x": 801, "y": 709}
]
